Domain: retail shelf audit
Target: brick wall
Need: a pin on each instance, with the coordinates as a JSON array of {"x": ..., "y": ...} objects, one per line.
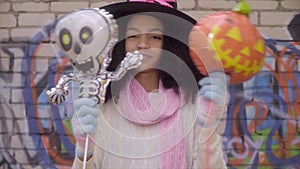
[{"x": 264, "y": 115}]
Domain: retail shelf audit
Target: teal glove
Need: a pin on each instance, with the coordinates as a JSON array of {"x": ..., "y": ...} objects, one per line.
[
  {"x": 84, "y": 122},
  {"x": 215, "y": 88}
]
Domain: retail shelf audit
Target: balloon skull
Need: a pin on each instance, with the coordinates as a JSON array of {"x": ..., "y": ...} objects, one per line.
[{"x": 87, "y": 36}]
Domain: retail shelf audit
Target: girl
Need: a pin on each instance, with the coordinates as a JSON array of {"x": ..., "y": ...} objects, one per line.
[{"x": 155, "y": 117}]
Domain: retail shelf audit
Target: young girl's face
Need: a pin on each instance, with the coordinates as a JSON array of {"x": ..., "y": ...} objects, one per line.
[{"x": 145, "y": 34}]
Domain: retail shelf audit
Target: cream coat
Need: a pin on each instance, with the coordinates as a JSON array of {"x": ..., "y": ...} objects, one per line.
[{"x": 121, "y": 144}]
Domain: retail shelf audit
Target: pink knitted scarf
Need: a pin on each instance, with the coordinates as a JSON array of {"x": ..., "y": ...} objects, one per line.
[{"x": 165, "y": 110}]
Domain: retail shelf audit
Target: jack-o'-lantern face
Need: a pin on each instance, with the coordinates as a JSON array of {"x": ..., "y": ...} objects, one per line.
[{"x": 236, "y": 42}]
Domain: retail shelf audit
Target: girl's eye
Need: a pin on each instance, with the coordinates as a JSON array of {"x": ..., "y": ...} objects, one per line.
[
  {"x": 156, "y": 37},
  {"x": 131, "y": 36}
]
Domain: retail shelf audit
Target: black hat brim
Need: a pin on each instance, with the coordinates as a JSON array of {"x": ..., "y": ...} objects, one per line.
[{"x": 178, "y": 24}]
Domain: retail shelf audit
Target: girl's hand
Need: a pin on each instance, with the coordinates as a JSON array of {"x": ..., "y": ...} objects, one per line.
[
  {"x": 215, "y": 88},
  {"x": 84, "y": 122}
]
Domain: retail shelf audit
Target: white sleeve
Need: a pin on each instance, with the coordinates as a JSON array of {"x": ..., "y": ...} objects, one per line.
[
  {"x": 208, "y": 154},
  {"x": 211, "y": 116},
  {"x": 208, "y": 151},
  {"x": 95, "y": 162},
  {"x": 78, "y": 164}
]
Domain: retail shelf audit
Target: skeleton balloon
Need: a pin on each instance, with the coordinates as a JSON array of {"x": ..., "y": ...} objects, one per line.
[{"x": 87, "y": 36}]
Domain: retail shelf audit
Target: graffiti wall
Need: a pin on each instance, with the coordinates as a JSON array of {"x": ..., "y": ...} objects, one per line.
[
  {"x": 262, "y": 130},
  {"x": 36, "y": 133}
]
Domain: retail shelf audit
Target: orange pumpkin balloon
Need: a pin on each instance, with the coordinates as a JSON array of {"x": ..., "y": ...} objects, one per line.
[{"x": 227, "y": 40}]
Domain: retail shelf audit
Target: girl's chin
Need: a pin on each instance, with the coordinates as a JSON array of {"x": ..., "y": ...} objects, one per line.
[{"x": 145, "y": 70}]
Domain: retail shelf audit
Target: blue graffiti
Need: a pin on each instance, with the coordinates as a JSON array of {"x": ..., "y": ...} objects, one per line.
[{"x": 28, "y": 90}]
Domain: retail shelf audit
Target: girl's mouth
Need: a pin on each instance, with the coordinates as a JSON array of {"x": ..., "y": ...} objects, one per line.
[{"x": 146, "y": 57}]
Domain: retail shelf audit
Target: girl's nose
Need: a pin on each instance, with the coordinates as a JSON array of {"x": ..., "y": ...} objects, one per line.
[{"x": 143, "y": 42}]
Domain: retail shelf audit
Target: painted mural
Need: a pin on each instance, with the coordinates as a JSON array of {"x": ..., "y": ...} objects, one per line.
[
  {"x": 262, "y": 131},
  {"x": 263, "y": 126}
]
